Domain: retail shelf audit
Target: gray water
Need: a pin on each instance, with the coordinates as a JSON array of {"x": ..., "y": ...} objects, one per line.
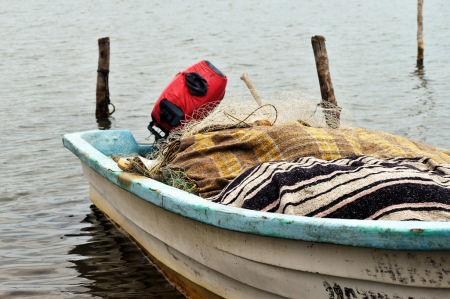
[{"x": 53, "y": 244}]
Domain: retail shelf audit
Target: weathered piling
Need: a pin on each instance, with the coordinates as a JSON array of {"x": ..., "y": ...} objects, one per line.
[
  {"x": 419, "y": 32},
  {"x": 329, "y": 103},
  {"x": 255, "y": 94},
  {"x": 102, "y": 110}
]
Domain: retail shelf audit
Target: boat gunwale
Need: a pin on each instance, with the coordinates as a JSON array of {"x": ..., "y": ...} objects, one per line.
[{"x": 381, "y": 234}]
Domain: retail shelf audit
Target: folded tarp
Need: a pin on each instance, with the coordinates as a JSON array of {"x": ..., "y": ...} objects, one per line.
[
  {"x": 359, "y": 187},
  {"x": 214, "y": 159}
]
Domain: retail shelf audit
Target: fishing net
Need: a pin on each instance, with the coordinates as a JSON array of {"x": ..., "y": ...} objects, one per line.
[
  {"x": 218, "y": 143},
  {"x": 237, "y": 110},
  {"x": 240, "y": 110}
]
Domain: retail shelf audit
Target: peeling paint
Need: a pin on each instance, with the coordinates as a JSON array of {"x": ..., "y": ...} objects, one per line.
[
  {"x": 283, "y": 221},
  {"x": 154, "y": 190},
  {"x": 124, "y": 179},
  {"x": 337, "y": 292}
]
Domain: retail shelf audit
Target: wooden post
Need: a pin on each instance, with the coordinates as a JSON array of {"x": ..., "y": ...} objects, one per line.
[
  {"x": 102, "y": 110},
  {"x": 419, "y": 32},
  {"x": 332, "y": 112},
  {"x": 255, "y": 94}
]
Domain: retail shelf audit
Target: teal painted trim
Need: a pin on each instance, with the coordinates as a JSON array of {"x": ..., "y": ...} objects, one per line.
[{"x": 396, "y": 235}]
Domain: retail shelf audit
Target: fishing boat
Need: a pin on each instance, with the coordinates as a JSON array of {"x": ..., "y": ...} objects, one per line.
[{"x": 209, "y": 250}]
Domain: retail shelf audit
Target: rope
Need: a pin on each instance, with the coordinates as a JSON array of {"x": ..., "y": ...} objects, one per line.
[
  {"x": 243, "y": 121},
  {"x": 105, "y": 78},
  {"x": 239, "y": 123},
  {"x": 172, "y": 177}
]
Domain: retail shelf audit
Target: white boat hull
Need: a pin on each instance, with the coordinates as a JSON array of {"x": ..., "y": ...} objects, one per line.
[{"x": 233, "y": 264}]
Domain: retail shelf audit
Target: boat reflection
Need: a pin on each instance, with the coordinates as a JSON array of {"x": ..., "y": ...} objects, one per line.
[{"x": 114, "y": 267}]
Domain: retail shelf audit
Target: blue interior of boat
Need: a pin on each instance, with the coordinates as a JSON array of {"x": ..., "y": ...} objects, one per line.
[{"x": 111, "y": 143}]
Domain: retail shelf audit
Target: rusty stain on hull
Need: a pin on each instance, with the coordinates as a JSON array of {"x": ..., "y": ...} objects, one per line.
[
  {"x": 125, "y": 179},
  {"x": 154, "y": 190}
]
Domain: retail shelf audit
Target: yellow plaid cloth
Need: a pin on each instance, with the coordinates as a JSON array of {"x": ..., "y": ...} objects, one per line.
[{"x": 214, "y": 159}]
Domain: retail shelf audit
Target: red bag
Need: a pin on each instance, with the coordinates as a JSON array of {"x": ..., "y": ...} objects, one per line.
[{"x": 197, "y": 85}]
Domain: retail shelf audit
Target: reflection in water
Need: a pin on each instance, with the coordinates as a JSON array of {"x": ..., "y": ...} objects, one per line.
[
  {"x": 105, "y": 123},
  {"x": 114, "y": 267},
  {"x": 426, "y": 102},
  {"x": 420, "y": 73},
  {"x": 45, "y": 93},
  {"x": 420, "y": 107}
]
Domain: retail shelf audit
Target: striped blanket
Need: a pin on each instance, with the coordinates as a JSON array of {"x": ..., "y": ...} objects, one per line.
[
  {"x": 359, "y": 187},
  {"x": 214, "y": 159}
]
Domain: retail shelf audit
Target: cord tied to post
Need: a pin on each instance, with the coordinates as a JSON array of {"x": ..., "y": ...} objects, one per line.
[{"x": 105, "y": 78}]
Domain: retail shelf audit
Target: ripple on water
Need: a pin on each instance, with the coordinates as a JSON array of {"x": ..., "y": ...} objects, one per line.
[{"x": 48, "y": 71}]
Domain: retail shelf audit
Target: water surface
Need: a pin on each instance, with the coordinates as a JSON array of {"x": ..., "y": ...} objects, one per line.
[{"x": 52, "y": 244}]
